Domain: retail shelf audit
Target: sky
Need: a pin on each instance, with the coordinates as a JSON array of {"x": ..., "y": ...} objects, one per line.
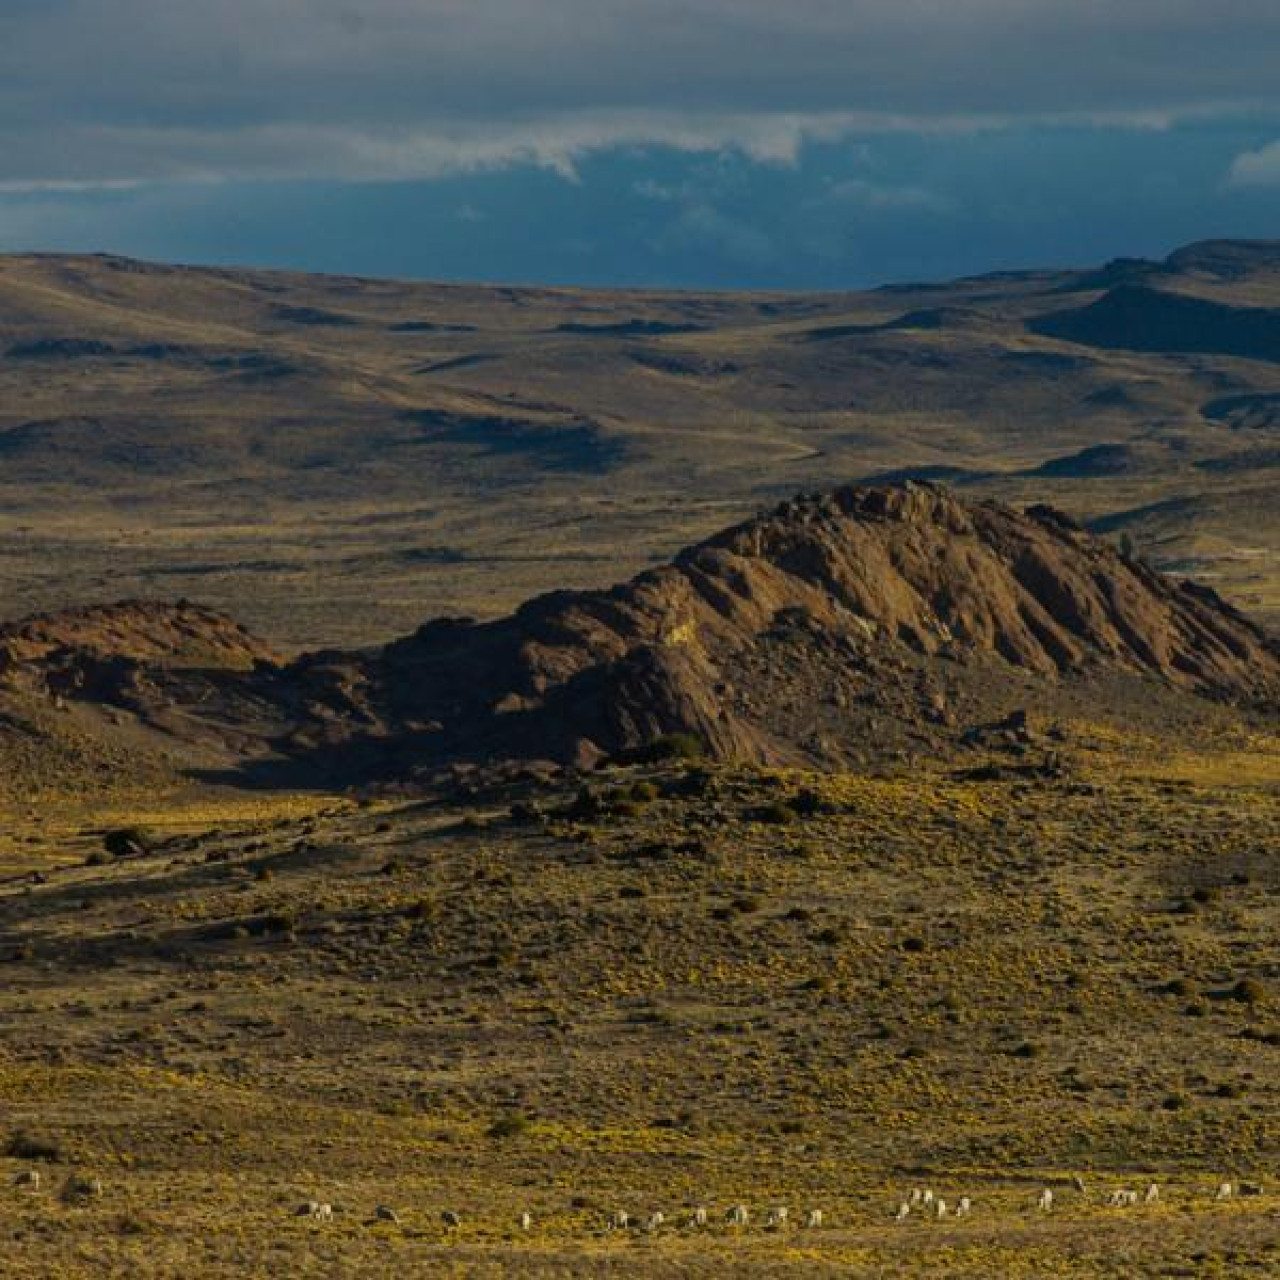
[{"x": 688, "y": 143}]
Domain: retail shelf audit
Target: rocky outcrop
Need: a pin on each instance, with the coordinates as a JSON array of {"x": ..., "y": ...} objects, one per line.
[{"x": 824, "y": 629}]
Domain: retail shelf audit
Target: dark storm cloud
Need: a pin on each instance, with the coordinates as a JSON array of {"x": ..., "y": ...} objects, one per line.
[{"x": 129, "y": 90}]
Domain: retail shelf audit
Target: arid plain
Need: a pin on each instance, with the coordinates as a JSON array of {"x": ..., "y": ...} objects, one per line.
[{"x": 891, "y": 840}]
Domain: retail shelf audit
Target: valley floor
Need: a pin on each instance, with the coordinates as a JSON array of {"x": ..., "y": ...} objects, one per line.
[{"x": 692, "y": 985}]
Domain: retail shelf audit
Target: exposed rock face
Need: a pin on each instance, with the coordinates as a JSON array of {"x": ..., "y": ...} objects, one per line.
[
  {"x": 885, "y": 583},
  {"x": 831, "y": 625},
  {"x": 151, "y": 631},
  {"x": 126, "y": 654}
]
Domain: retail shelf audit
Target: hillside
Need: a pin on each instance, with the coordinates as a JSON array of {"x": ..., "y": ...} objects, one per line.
[
  {"x": 864, "y": 625},
  {"x": 684, "y": 985},
  {"x": 240, "y": 436}
]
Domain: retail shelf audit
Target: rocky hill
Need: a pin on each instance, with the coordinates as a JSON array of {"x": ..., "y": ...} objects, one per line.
[
  {"x": 825, "y": 627},
  {"x": 833, "y": 629}
]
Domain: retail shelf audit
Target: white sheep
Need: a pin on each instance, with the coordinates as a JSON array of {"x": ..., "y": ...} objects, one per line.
[
  {"x": 904, "y": 1211},
  {"x": 926, "y": 1197},
  {"x": 1045, "y": 1201},
  {"x": 813, "y": 1219},
  {"x": 777, "y": 1218},
  {"x": 738, "y": 1216},
  {"x": 316, "y": 1210},
  {"x": 619, "y": 1220},
  {"x": 450, "y": 1219},
  {"x": 526, "y": 1220},
  {"x": 1223, "y": 1192},
  {"x": 385, "y": 1213},
  {"x": 1152, "y": 1193},
  {"x": 963, "y": 1207},
  {"x": 1078, "y": 1183},
  {"x": 654, "y": 1221},
  {"x": 699, "y": 1218},
  {"x": 915, "y": 1197},
  {"x": 28, "y": 1178},
  {"x": 940, "y": 1208}
]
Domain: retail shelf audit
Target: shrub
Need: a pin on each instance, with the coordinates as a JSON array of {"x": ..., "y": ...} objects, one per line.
[
  {"x": 777, "y": 812},
  {"x": 513, "y": 1125},
  {"x": 674, "y": 746},
  {"x": 808, "y": 803},
  {"x": 125, "y": 842},
  {"x": 22, "y": 1146},
  {"x": 1249, "y": 991}
]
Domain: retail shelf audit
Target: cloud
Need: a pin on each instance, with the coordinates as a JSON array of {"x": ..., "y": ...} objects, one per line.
[
  {"x": 863, "y": 194},
  {"x": 1259, "y": 168},
  {"x": 156, "y": 90},
  {"x": 702, "y": 226}
]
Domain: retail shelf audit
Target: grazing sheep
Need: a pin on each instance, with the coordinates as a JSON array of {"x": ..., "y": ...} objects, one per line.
[
  {"x": 323, "y": 1213},
  {"x": 1251, "y": 1188},
  {"x": 813, "y": 1219},
  {"x": 904, "y": 1211},
  {"x": 1078, "y": 1183},
  {"x": 28, "y": 1178},
  {"x": 385, "y": 1213},
  {"x": 451, "y": 1219},
  {"x": 1121, "y": 1198},
  {"x": 1152, "y": 1194},
  {"x": 940, "y": 1208},
  {"x": 619, "y": 1221},
  {"x": 963, "y": 1206},
  {"x": 699, "y": 1218},
  {"x": 1045, "y": 1201},
  {"x": 915, "y": 1197},
  {"x": 926, "y": 1197},
  {"x": 654, "y": 1221},
  {"x": 1223, "y": 1192},
  {"x": 738, "y": 1216},
  {"x": 777, "y": 1218},
  {"x": 526, "y": 1220}
]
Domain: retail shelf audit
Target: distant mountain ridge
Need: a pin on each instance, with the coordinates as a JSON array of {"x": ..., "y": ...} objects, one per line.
[{"x": 331, "y": 458}]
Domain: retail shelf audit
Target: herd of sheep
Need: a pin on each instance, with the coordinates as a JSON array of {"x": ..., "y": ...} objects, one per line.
[{"x": 920, "y": 1202}]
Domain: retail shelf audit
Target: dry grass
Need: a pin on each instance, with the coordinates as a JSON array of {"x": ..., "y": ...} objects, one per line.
[
  {"x": 981, "y": 987},
  {"x": 161, "y": 469}
]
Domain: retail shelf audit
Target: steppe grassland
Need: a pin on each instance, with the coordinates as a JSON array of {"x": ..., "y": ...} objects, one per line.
[{"x": 711, "y": 985}]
